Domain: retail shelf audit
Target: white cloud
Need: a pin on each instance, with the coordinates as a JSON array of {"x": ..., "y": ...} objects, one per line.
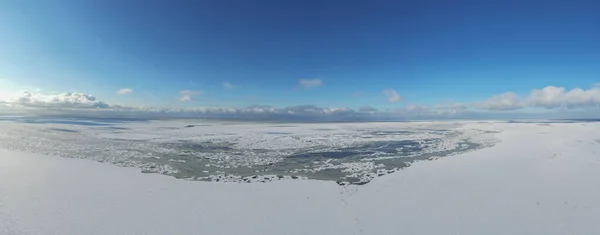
[
  {"x": 504, "y": 101},
  {"x": 579, "y": 97},
  {"x": 554, "y": 97},
  {"x": 227, "y": 85},
  {"x": 188, "y": 95},
  {"x": 124, "y": 91},
  {"x": 310, "y": 83},
  {"x": 548, "y": 97},
  {"x": 392, "y": 95},
  {"x": 63, "y": 100}
]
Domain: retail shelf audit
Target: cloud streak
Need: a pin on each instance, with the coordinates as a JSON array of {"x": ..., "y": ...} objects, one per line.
[
  {"x": 310, "y": 83},
  {"x": 124, "y": 91}
]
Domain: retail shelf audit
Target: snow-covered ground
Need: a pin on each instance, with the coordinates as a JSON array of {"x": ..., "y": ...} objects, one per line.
[{"x": 540, "y": 179}]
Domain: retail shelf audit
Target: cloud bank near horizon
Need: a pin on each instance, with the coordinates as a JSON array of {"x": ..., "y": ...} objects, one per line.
[
  {"x": 550, "y": 101},
  {"x": 550, "y": 97}
]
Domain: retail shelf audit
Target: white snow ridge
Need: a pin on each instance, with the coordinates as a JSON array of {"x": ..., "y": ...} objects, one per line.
[{"x": 487, "y": 177}]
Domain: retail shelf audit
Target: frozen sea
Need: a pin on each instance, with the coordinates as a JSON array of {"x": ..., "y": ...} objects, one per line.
[
  {"x": 457, "y": 177},
  {"x": 209, "y": 150}
]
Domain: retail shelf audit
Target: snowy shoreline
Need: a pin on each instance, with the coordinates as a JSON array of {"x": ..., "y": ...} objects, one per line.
[{"x": 540, "y": 179}]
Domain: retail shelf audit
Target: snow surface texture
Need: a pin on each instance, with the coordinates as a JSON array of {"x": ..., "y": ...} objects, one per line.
[
  {"x": 540, "y": 179},
  {"x": 246, "y": 152}
]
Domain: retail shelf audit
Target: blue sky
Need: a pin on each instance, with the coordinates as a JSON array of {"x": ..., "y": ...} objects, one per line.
[{"x": 349, "y": 52}]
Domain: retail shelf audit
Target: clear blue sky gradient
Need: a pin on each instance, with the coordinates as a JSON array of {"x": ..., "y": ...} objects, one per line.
[{"x": 428, "y": 51}]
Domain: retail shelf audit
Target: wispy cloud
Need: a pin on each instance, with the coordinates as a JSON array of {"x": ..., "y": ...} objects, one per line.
[
  {"x": 358, "y": 94},
  {"x": 367, "y": 109},
  {"x": 124, "y": 91},
  {"x": 188, "y": 95},
  {"x": 310, "y": 83},
  {"x": 228, "y": 85},
  {"x": 503, "y": 102},
  {"x": 392, "y": 95}
]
